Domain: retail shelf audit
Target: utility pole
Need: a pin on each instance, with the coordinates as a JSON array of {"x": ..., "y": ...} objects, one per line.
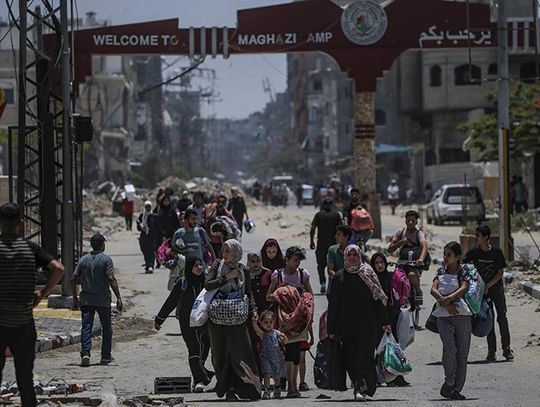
[
  {"x": 504, "y": 127},
  {"x": 67, "y": 178}
]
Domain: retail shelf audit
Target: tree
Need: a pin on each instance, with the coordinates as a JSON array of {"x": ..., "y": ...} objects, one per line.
[{"x": 524, "y": 124}]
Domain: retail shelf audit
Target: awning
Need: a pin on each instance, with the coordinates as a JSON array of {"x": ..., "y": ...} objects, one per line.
[{"x": 391, "y": 148}]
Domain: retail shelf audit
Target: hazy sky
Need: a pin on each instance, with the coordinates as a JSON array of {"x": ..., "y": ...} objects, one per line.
[{"x": 239, "y": 79}]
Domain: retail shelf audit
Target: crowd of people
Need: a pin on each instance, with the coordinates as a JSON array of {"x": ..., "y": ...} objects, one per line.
[
  {"x": 256, "y": 318},
  {"x": 275, "y": 331}
]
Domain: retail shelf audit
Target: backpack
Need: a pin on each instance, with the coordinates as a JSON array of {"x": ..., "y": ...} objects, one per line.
[
  {"x": 361, "y": 220},
  {"x": 223, "y": 225},
  {"x": 301, "y": 271},
  {"x": 164, "y": 252},
  {"x": 400, "y": 286}
]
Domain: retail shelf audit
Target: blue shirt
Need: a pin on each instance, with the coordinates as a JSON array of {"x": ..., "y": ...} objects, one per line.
[{"x": 93, "y": 272}]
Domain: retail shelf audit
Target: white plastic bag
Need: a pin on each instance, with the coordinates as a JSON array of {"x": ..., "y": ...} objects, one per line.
[
  {"x": 383, "y": 375},
  {"x": 405, "y": 328},
  {"x": 199, "y": 311}
]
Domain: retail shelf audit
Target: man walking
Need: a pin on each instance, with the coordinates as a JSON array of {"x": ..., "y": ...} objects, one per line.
[
  {"x": 237, "y": 206},
  {"x": 325, "y": 222},
  {"x": 198, "y": 206},
  {"x": 353, "y": 203},
  {"x": 335, "y": 259},
  {"x": 490, "y": 263},
  {"x": 95, "y": 274},
  {"x": 191, "y": 240},
  {"x": 393, "y": 195},
  {"x": 18, "y": 262},
  {"x": 147, "y": 225}
]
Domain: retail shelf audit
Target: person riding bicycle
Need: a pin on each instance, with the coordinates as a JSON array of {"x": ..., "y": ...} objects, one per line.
[
  {"x": 362, "y": 226},
  {"x": 413, "y": 247}
]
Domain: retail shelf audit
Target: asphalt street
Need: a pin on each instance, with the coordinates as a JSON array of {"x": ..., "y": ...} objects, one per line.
[{"x": 140, "y": 360}]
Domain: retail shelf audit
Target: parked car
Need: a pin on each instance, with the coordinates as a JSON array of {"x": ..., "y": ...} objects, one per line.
[
  {"x": 451, "y": 201},
  {"x": 307, "y": 194}
]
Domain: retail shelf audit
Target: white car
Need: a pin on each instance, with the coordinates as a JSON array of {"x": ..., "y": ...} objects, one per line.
[{"x": 453, "y": 201}]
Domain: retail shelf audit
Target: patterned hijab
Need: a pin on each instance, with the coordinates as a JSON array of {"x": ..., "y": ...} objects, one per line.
[
  {"x": 238, "y": 283},
  {"x": 365, "y": 272}
]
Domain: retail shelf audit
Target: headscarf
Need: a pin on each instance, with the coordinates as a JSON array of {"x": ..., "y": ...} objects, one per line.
[
  {"x": 352, "y": 266},
  {"x": 384, "y": 276},
  {"x": 277, "y": 262},
  {"x": 235, "y": 284},
  {"x": 254, "y": 272},
  {"x": 192, "y": 279},
  {"x": 145, "y": 215},
  {"x": 365, "y": 272}
]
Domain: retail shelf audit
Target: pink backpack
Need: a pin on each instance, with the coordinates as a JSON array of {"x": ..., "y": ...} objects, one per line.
[
  {"x": 400, "y": 286},
  {"x": 164, "y": 252}
]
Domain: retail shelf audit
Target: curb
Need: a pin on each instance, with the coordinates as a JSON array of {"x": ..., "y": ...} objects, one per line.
[
  {"x": 44, "y": 344},
  {"x": 532, "y": 289}
]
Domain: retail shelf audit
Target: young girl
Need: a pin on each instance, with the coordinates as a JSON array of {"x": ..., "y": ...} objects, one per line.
[
  {"x": 293, "y": 275},
  {"x": 453, "y": 320},
  {"x": 272, "y": 257},
  {"x": 271, "y": 355}
]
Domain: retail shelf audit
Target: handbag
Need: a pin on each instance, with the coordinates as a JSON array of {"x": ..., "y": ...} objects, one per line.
[
  {"x": 230, "y": 310},
  {"x": 395, "y": 360},
  {"x": 199, "y": 310},
  {"x": 431, "y": 323},
  {"x": 482, "y": 323}
]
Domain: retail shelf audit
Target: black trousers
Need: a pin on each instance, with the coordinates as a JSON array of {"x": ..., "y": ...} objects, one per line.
[
  {"x": 198, "y": 344},
  {"x": 22, "y": 343},
  {"x": 498, "y": 301},
  {"x": 147, "y": 244},
  {"x": 321, "y": 253}
]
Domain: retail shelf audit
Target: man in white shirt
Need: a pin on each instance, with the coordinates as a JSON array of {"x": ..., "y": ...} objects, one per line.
[{"x": 393, "y": 195}]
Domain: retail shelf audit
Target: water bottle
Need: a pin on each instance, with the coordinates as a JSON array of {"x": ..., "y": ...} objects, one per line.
[{"x": 411, "y": 256}]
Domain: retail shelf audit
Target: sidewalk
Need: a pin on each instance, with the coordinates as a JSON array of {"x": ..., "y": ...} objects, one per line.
[{"x": 58, "y": 327}]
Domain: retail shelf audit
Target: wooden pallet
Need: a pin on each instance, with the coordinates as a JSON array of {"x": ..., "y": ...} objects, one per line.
[{"x": 169, "y": 385}]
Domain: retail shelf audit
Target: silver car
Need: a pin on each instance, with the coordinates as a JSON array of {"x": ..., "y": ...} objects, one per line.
[{"x": 454, "y": 201}]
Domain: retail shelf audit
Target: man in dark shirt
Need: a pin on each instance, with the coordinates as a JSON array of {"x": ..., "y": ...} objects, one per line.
[
  {"x": 18, "y": 262},
  {"x": 489, "y": 262},
  {"x": 325, "y": 222},
  {"x": 183, "y": 203},
  {"x": 237, "y": 206}
]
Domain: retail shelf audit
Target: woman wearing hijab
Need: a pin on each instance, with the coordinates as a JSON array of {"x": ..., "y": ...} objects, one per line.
[
  {"x": 356, "y": 311},
  {"x": 168, "y": 220},
  {"x": 272, "y": 256},
  {"x": 236, "y": 369},
  {"x": 182, "y": 297},
  {"x": 146, "y": 224},
  {"x": 379, "y": 264}
]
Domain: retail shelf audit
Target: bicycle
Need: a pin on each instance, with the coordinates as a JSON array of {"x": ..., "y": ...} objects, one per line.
[{"x": 414, "y": 304}]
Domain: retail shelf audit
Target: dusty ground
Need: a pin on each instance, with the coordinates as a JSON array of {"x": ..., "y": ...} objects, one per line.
[{"x": 142, "y": 355}]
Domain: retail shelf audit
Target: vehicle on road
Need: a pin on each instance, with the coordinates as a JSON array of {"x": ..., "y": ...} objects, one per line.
[
  {"x": 307, "y": 194},
  {"x": 453, "y": 202}
]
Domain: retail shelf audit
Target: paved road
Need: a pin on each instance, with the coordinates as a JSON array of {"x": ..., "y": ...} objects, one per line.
[{"x": 140, "y": 360}]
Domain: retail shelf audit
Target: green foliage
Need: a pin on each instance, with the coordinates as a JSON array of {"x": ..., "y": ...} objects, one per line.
[{"x": 524, "y": 122}]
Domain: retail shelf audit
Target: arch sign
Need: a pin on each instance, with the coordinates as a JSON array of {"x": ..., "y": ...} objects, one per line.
[{"x": 363, "y": 37}]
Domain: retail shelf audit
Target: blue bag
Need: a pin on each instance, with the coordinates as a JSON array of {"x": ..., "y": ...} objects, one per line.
[{"x": 482, "y": 322}]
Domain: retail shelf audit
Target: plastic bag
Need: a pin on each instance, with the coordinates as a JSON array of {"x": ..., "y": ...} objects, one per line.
[
  {"x": 405, "y": 328},
  {"x": 394, "y": 358},
  {"x": 164, "y": 252},
  {"x": 383, "y": 375},
  {"x": 199, "y": 310}
]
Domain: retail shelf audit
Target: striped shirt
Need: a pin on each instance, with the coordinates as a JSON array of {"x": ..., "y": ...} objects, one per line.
[{"x": 18, "y": 262}]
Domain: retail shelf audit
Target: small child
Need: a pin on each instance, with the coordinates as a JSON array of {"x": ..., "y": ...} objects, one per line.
[{"x": 272, "y": 361}]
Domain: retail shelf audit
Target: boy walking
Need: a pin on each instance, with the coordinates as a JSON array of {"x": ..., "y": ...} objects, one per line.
[
  {"x": 95, "y": 273},
  {"x": 490, "y": 263}
]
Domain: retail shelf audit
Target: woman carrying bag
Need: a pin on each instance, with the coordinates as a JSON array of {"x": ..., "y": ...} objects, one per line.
[
  {"x": 233, "y": 305},
  {"x": 356, "y": 311},
  {"x": 453, "y": 320}
]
